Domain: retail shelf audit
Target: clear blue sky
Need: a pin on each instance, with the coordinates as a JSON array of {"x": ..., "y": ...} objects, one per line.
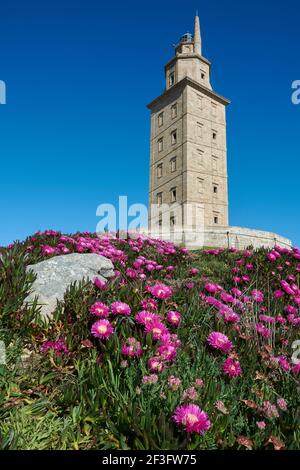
[{"x": 75, "y": 130}]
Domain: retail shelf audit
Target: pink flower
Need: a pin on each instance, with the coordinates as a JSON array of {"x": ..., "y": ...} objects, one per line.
[
  {"x": 192, "y": 418},
  {"x": 132, "y": 348},
  {"x": 271, "y": 257},
  {"x": 283, "y": 363},
  {"x": 260, "y": 424},
  {"x": 282, "y": 404},
  {"x": 155, "y": 364},
  {"x": 199, "y": 383},
  {"x": 174, "y": 318},
  {"x": 211, "y": 288},
  {"x": 296, "y": 369},
  {"x": 226, "y": 298},
  {"x": 190, "y": 285},
  {"x": 263, "y": 331},
  {"x": 102, "y": 329},
  {"x": 174, "y": 383},
  {"x": 131, "y": 273},
  {"x": 120, "y": 308},
  {"x": 219, "y": 341},
  {"x": 257, "y": 296},
  {"x": 232, "y": 368},
  {"x": 167, "y": 352},
  {"x": 156, "y": 328},
  {"x": 99, "y": 309},
  {"x": 47, "y": 250},
  {"x": 220, "y": 406},
  {"x": 267, "y": 319},
  {"x": 161, "y": 291},
  {"x": 278, "y": 294},
  {"x": 236, "y": 292},
  {"x": 190, "y": 394},
  {"x": 194, "y": 271},
  {"x": 144, "y": 317},
  {"x": 149, "y": 304},
  {"x": 99, "y": 283},
  {"x": 270, "y": 410},
  {"x": 58, "y": 346},
  {"x": 150, "y": 379}
]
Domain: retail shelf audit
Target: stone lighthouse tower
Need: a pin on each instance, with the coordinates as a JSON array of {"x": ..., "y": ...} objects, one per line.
[
  {"x": 188, "y": 163},
  {"x": 188, "y": 197}
]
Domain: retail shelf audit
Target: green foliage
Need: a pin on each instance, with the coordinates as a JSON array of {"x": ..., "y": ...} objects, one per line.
[{"x": 92, "y": 399}]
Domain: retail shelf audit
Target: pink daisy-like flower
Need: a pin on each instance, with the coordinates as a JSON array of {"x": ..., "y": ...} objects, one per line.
[
  {"x": 156, "y": 328},
  {"x": 102, "y": 329},
  {"x": 144, "y": 317},
  {"x": 282, "y": 404},
  {"x": 155, "y": 364},
  {"x": 262, "y": 330},
  {"x": 99, "y": 309},
  {"x": 120, "y": 308},
  {"x": 149, "y": 304},
  {"x": 232, "y": 368},
  {"x": 260, "y": 424},
  {"x": 257, "y": 296},
  {"x": 219, "y": 341},
  {"x": 47, "y": 250},
  {"x": 190, "y": 394},
  {"x": 211, "y": 288},
  {"x": 278, "y": 294},
  {"x": 161, "y": 291},
  {"x": 150, "y": 379},
  {"x": 192, "y": 418},
  {"x": 167, "y": 352},
  {"x": 174, "y": 318},
  {"x": 194, "y": 271},
  {"x": 132, "y": 348},
  {"x": 267, "y": 319},
  {"x": 99, "y": 283},
  {"x": 174, "y": 383},
  {"x": 58, "y": 346},
  {"x": 296, "y": 369}
]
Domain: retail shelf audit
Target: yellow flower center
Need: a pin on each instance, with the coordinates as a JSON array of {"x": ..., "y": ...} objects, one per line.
[
  {"x": 102, "y": 329},
  {"x": 191, "y": 418}
]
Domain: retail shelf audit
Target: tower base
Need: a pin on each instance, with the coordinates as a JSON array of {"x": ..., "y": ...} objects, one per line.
[{"x": 224, "y": 237}]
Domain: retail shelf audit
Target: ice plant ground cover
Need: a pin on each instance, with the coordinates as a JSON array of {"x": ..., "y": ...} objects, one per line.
[{"x": 179, "y": 350}]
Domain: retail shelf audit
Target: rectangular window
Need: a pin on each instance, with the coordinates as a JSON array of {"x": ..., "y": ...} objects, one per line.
[
  {"x": 199, "y": 130},
  {"x": 160, "y": 119},
  {"x": 174, "y": 137},
  {"x": 173, "y": 164},
  {"x": 172, "y": 221},
  {"x": 159, "y": 170},
  {"x": 160, "y": 144},
  {"x": 215, "y": 189},
  {"x": 173, "y": 194},
  {"x": 216, "y": 219},
  {"x": 174, "y": 111},
  {"x": 200, "y": 157},
  {"x": 160, "y": 219},
  {"x": 200, "y": 185},
  {"x": 159, "y": 199},
  {"x": 214, "y": 135},
  {"x": 202, "y": 75},
  {"x": 199, "y": 102},
  {"x": 171, "y": 78},
  {"x": 215, "y": 163}
]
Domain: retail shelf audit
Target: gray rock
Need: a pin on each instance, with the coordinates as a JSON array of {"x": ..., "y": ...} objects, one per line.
[{"x": 56, "y": 274}]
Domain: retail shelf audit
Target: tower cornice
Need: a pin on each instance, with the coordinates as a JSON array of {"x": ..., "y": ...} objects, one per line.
[
  {"x": 197, "y": 86},
  {"x": 187, "y": 56}
]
